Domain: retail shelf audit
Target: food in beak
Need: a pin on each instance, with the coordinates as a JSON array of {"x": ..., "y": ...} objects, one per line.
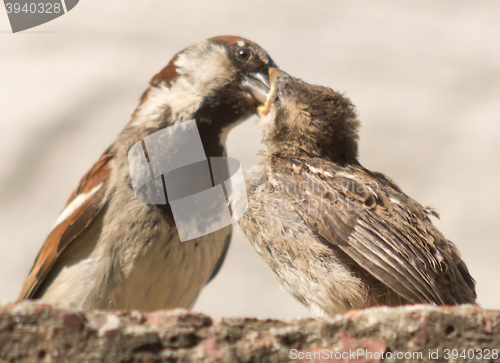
[{"x": 263, "y": 110}]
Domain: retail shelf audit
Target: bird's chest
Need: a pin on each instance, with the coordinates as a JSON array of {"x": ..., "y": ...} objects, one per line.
[
  {"x": 152, "y": 269},
  {"x": 316, "y": 274}
]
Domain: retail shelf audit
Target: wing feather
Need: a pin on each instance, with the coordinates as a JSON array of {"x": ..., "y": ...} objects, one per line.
[
  {"x": 91, "y": 190},
  {"x": 384, "y": 231}
]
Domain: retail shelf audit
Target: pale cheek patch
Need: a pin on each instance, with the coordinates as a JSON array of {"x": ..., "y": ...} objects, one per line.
[
  {"x": 198, "y": 75},
  {"x": 75, "y": 204},
  {"x": 181, "y": 99},
  {"x": 205, "y": 68}
]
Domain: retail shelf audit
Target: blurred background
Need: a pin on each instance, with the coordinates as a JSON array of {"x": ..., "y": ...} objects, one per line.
[{"x": 424, "y": 75}]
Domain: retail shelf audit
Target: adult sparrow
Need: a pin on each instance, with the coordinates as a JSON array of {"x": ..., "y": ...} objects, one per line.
[
  {"x": 111, "y": 250},
  {"x": 337, "y": 235}
]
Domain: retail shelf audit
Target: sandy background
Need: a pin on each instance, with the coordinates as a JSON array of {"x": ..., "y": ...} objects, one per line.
[{"x": 424, "y": 75}]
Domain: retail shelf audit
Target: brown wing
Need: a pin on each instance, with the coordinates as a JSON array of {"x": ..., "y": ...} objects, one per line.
[
  {"x": 93, "y": 185},
  {"x": 381, "y": 229}
]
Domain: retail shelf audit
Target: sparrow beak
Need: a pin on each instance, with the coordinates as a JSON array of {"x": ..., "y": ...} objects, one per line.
[
  {"x": 263, "y": 110},
  {"x": 257, "y": 84}
]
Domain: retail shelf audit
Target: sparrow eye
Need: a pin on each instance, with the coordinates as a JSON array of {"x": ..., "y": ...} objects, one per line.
[{"x": 243, "y": 54}]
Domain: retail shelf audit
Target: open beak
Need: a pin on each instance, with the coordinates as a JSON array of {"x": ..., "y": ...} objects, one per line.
[
  {"x": 257, "y": 84},
  {"x": 263, "y": 110}
]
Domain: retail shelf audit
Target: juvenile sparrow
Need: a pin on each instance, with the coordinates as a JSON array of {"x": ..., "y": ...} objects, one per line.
[
  {"x": 337, "y": 235},
  {"x": 108, "y": 250}
]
